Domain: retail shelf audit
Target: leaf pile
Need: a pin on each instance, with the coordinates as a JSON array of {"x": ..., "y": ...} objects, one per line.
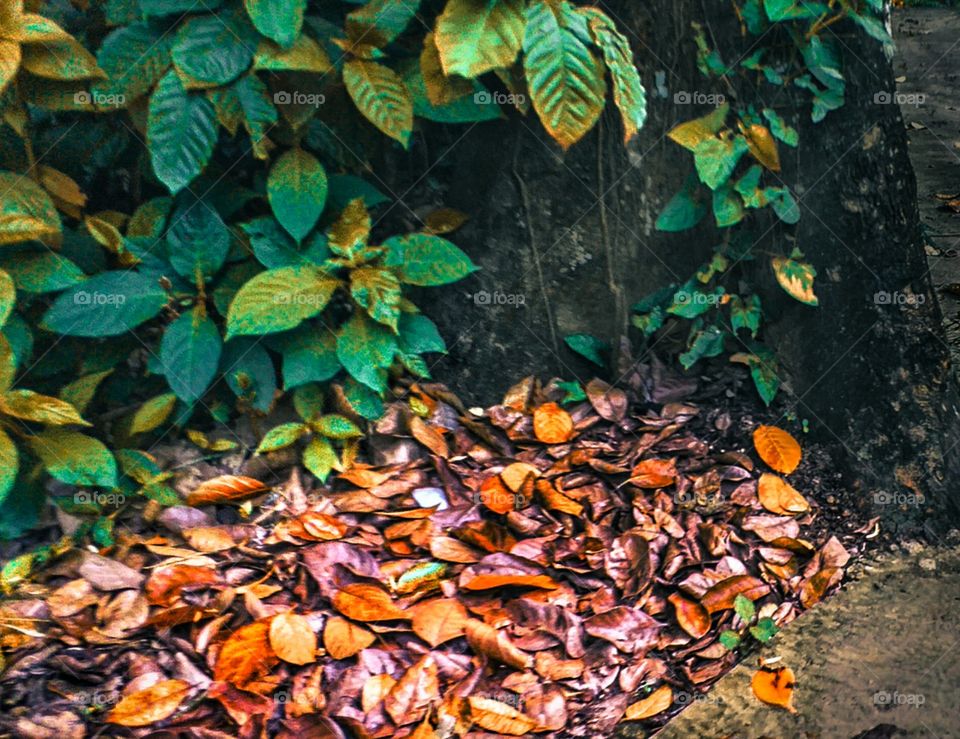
[{"x": 542, "y": 567}]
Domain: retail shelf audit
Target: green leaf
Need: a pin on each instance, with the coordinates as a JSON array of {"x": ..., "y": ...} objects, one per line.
[
  {"x": 189, "y": 353},
  {"x": 746, "y": 314},
  {"x": 366, "y": 348},
  {"x": 344, "y": 188},
  {"x": 31, "y": 406},
  {"x": 134, "y": 57},
  {"x": 26, "y": 211},
  {"x": 477, "y": 36},
  {"x": 565, "y": 78},
  {"x": 80, "y": 392},
  {"x": 9, "y": 464},
  {"x": 706, "y": 343},
  {"x": 381, "y": 97},
  {"x": 280, "y": 20},
  {"x": 8, "y": 296},
  {"x": 42, "y": 272},
  {"x": 282, "y": 436},
  {"x": 475, "y": 108},
  {"x": 21, "y": 504},
  {"x": 320, "y": 458},
  {"x": 197, "y": 240},
  {"x": 75, "y": 458},
  {"x": 715, "y": 159},
  {"x": 763, "y": 365},
  {"x": 152, "y": 413},
  {"x": 109, "y": 304},
  {"x": 379, "y": 22},
  {"x": 308, "y": 401},
  {"x": 362, "y": 399},
  {"x": 279, "y": 299},
  {"x": 213, "y": 49},
  {"x": 744, "y": 608},
  {"x": 335, "y": 426},
  {"x": 574, "y": 392},
  {"x": 169, "y": 7},
  {"x": 418, "y": 334},
  {"x": 685, "y": 209},
  {"x": 427, "y": 260},
  {"x": 765, "y": 630},
  {"x": 249, "y": 373},
  {"x": 589, "y": 347},
  {"x": 377, "y": 290},
  {"x": 8, "y": 364},
  {"x": 730, "y": 639},
  {"x": 274, "y": 248},
  {"x": 796, "y": 278},
  {"x": 628, "y": 91},
  {"x": 688, "y": 302},
  {"x": 181, "y": 133},
  {"x": 727, "y": 207},
  {"x": 309, "y": 355},
  {"x": 780, "y": 128},
  {"x": 781, "y": 10},
  {"x": 297, "y": 190},
  {"x": 259, "y": 113},
  {"x": 784, "y": 204}
]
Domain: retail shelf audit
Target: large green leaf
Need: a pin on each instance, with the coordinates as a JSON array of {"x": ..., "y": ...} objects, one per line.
[
  {"x": 380, "y": 95},
  {"x": 685, "y": 209},
  {"x": 366, "y": 349},
  {"x": 279, "y": 299},
  {"x": 379, "y": 22},
  {"x": 280, "y": 20},
  {"x": 181, "y": 133},
  {"x": 297, "y": 190},
  {"x": 26, "y": 211},
  {"x": 274, "y": 248},
  {"x": 259, "y": 114},
  {"x": 134, "y": 57},
  {"x": 31, "y": 406},
  {"x": 190, "y": 353},
  {"x": 309, "y": 355},
  {"x": 9, "y": 464},
  {"x": 476, "y": 36},
  {"x": 427, "y": 260},
  {"x": 565, "y": 78},
  {"x": 213, "y": 49},
  {"x": 197, "y": 240},
  {"x": 249, "y": 372},
  {"x": 282, "y": 436},
  {"x": 377, "y": 290},
  {"x": 628, "y": 92},
  {"x": 41, "y": 272},
  {"x": 418, "y": 334},
  {"x": 106, "y": 305},
  {"x": 75, "y": 458}
]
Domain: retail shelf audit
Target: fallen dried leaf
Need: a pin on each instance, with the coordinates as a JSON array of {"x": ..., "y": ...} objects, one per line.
[
  {"x": 145, "y": 707},
  {"x": 343, "y": 639},
  {"x": 363, "y": 602},
  {"x": 292, "y": 638},
  {"x": 439, "y": 620},
  {"x": 224, "y": 489},
  {"x": 657, "y": 702},
  {"x": 499, "y": 717},
  {"x": 777, "y": 448},
  {"x": 775, "y": 687},
  {"x": 779, "y": 496},
  {"x": 552, "y": 424}
]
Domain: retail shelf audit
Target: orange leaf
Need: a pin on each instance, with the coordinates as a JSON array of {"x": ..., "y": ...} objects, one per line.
[
  {"x": 410, "y": 698},
  {"x": 777, "y": 448},
  {"x": 209, "y": 538},
  {"x": 692, "y": 617},
  {"x": 554, "y": 500},
  {"x": 518, "y": 475},
  {"x": 375, "y": 689},
  {"x": 816, "y": 586},
  {"x": 166, "y": 583},
  {"x": 552, "y": 424},
  {"x": 657, "y": 702},
  {"x": 429, "y": 437},
  {"x": 246, "y": 655},
  {"x": 721, "y": 596},
  {"x": 497, "y": 497},
  {"x": 319, "y": 527},
  {"x": 654, "y": 473},
  {"x": 775, "y": 687},
  {"x": 145, "y": 707},
  {"x": 225, "y": 488},
  {"x": 292, "y": 638},
  {"x": 448, "y": 549},
  {"x": 487, "y": 640},
  {"x": 424, "y": 731},
  {"x": 779, "y": 496},
  {"x": 343, "y": 639},
  {"x": 498, "y": 717},
  {"x": 762, "y": 145},
  {"x": 439, "y": 620},
  {"x": 363, "y": 602},
  {"x": 490, "y": 582}
]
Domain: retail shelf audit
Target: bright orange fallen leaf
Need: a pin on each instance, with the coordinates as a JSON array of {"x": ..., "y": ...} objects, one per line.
[
  {"x": 225, "y": 488},
  {"x": 779, "y": 496},
  {"x": 654, "y": 473},
  {"x": 166, "y": 583},
  {"x": 692, "y": 617},
  {"x": 246, "y": 655},
  {"x": 363, "y": 602},
  {"x": 775, "y": 686},
  {"x": 497, "y": 497},
  {"x": 145, "y": 707},
  {"x": 439, "y": 620},
  {"x": 292, "y": 638},
  {"x": 429, "y": 436},
  {"x": 410, "y": 699},
  {"x": 552, "y": 424},
  {"x": 657, "y": 702},
  {"x": 487, "y": 640},
  {"x": 722, "y": 595},
  {"x": 777, "y": 448},
  {"x": 343, "y": 639}
]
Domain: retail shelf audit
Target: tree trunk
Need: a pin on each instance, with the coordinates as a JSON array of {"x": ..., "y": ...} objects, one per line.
[{"x": 566, "y": 243}]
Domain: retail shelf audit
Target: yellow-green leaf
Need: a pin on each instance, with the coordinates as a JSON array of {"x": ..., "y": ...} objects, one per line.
[
  {"x": 381, "y": 96},
  {"x": 31, "y": 406},
  {"x": 152, "y": 413},
  {"x": 476, "y": 37},
  {"x": 305, "y": 55},
  {"x": 64, "y": 59},
  {"x": 628, "y": 92},
  {"x": 75, "y": 458},
  {"x": 9, "y": 464},
  {"x": 34, "y": 28},
  {"x": 796, "y": 278},
  {"x": 693, "y": 133},
  {"x": 80, "y": 392},
  {"x": 281, "y": 436},
  {"x": 8, "y": 296},
  {"x": 378, "y": 291},
  {"x": 320, "y": 458},
  {"x": 8, "y": 364},
  {"x": 26, "y": 211},
  {"x": 279, "y": 299},
  {"x": 9, "y": 62},
  {"x": 297, "y": 191}
]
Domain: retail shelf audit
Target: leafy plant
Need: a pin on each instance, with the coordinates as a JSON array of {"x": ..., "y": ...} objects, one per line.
[{"x": 763, "y": 629}]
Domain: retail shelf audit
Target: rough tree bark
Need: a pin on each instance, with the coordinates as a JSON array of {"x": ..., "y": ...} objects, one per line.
[{"x": 573, "y": 236}]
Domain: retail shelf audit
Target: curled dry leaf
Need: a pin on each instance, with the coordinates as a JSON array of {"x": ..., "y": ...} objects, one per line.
[
  {"x": 498, "y": 497},
  {"x": 815, "y": 587},
  {"x": 552, "y": 424},
  {"x": 519, "y": 476},
  {"x": 775, "y": 687},
  {"x": 293, "y": 639},
  {"x": 408, "y": 700},
  {"x": 777, "y": 448},
  {"x": 166, "y": 583},
  {"x": 779, "y": 496},
  {"x": 364, "y": 602},
  {"x": 722, "y": 595},
  {"x": 225, "y": 488},
  {"x": 654, "y": 473},
  {"x": 343, "y": 639},
  {"x": 145, "y": 707},
  {"x": 692, "y": 617},
  {"x": 498, "y": 717},
  {"x": 487, "y": 640},
  {"x": 439, "y": 620},
  {"x": 429, "y": 436},
  {"x": 657, "y": 702},
  {"x": 245, "y": 655}
]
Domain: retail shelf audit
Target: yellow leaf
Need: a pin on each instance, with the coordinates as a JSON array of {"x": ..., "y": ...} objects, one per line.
[
  {"x": 777, "y": 448},
  {"x": 762, "y": 145},
  {"x": 343, "y": 639},
  {"x": 32, "y": 406},
  {"x": 780, "y": 497},
  {"x": 657, "y": 702},
  {"x": 693, "y": 133},
  {"x": 352, "y": 228},
  {"x": 152, "y": 413},
  {"x": 64, "y": 59},
  {"x": 441, "y": 89},
  {"x": 445, "y": 220},
  {"x": 305, "y": 55},
  {"x": 61, "y": 186},
  {"x": 225, "y": 488},
  {"x": 34, "y": 28},
  {"x": 498, "y": 717},
  {"x": 145, "y": 707},
  {"x": 796, "y": 278},
  {"x": 9, "y": 62},
  {"x": 292, "y": 638},
  {"x": 26, "y": 211}
]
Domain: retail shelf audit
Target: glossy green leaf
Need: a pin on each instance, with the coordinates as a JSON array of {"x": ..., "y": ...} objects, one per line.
[
  {"x": 418, "y": 335},
  {"x": 297, "y": 190},
  {"x": 134, "y": 57},
  {"x": 320, "y": 458},
  {"x": 628, "y": 91},
  {"x": 476, "y": 36},
  {"x": 746, "y": 313},
  {"x": 197, "y": 240},
  {"x": 309, "y": 355},
  {"x": 213, "y": 49},
  {"x": 41, "y": 272},
  {"x": 380, "y": 95},
  {"x": 589, "y": 347},
  {"x": 169, "y": 7},
  {"x": 75, "y": 458},
  {"x": 279, "y": 299},
  {"x": 427, "y": 260},
  {"x": 189, "y": 353},
  {"x": 273, "y": 247},
  {"x": 249, "y": 372},
  {"x": 685, "y": 209},
  {"x": 379, "y": 22},
  {"x": 280, "y": 20},
  {"x": 106, "y": 305},
  {"x": 377, "y": 290},
  {"x": 282, "y": 436},
  {"x": 9, "y": 464},
  {"x": 366, "y": 349}
]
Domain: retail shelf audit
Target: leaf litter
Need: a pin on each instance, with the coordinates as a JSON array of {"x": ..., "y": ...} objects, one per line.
[{"x": 535, "y": 568}]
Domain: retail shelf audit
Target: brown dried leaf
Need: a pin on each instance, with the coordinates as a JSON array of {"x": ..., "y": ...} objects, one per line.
[
  {"x": 721, "y": 596},
  {"x": 292, "y": 638},
  {"x": 415, "y": 691},
  {"x": 499, "y": 717},
  {"x": 552, "y": 424},
  {"x": 225, "y": 488},
  {"x": 487, "y": 640},
  {"x": 657, "y": 702},
  {"x": 692, "y": 617},
  {"x": 343, "y": 639},
  {"x": 166, "y": 583},
  {"x": 145, "y": 707},
  {"x": 245, "y": 655},
  {"x": 364, "y": 602},
  {"x": 779, "y": 496},
  {"x": 439, "y": 620},
  {"x": 429, "y": 436}
]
